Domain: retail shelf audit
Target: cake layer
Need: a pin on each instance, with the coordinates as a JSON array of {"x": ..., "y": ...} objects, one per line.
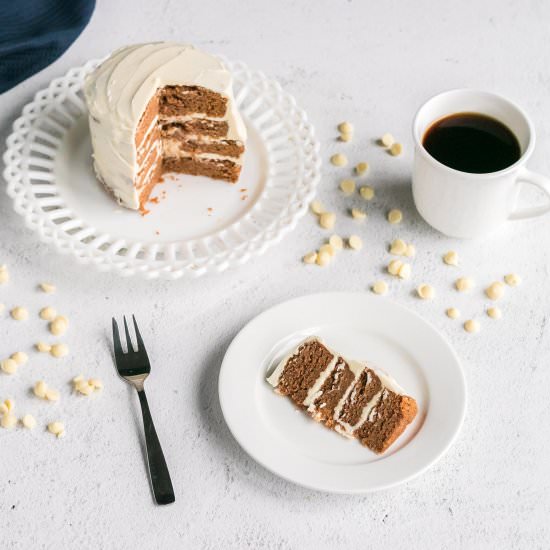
[
  {"x": 222, "y": 147},
  {"x": 212, "y": 168},
  {"x": 183, "y": 100},
  {"x": 193, "y": 125}
]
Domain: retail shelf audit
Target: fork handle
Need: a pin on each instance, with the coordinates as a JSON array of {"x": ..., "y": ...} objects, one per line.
[{"x": 160, "y": 477}]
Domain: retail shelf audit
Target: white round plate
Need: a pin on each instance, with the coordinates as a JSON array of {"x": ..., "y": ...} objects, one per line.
[
  {"x": 200, "y": 225},
  {"x": 360, "y": 326}
]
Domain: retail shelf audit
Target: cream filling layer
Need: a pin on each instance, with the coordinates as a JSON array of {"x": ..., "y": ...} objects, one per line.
[{"x": 171, "y": 148}]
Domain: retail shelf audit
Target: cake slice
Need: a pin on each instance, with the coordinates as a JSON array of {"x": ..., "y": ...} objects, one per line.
[{"x": 347, "y": 396}]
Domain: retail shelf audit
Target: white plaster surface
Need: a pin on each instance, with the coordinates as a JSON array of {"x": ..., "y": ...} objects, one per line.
[{"x": 372, "y": 63}]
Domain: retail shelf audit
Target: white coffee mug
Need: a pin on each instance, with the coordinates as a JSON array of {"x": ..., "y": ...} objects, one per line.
[{"x": 461, "y": 204}]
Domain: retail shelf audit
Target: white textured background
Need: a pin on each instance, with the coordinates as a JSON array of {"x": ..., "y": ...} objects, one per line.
[{"x": 372, "y": 63}]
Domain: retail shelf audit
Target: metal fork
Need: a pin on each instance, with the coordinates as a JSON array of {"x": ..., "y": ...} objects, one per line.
[{"x": 134, "y": 367}]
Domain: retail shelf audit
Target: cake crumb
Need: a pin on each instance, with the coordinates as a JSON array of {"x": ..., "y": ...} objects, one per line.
[
  {"x": 366, "y": 192},
  {"x": 327, "y": 220},
  {"x": 494, "y": 312},
  {"x": 495, "y": 290},
  {"x": 355, "y": 242},
  {"x": 380, "y": 287},
  {"x": 395, "y": 216},
  {"x": 464, "y": 284},
  {"x": 48, "y": 288},
  {"x": 471, "y": 325},
  {"x": 512, "y": 279},
  {"x": 339, "y": 159},
  {"x": 453, "y": 313},
  {"x": 425, "y": 291},
  {"x": 451, "y": 258},
  {"x": 310, "y": 258}
]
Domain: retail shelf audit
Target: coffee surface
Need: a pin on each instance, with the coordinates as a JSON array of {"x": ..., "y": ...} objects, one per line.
[{"x": 472, "y": 142}]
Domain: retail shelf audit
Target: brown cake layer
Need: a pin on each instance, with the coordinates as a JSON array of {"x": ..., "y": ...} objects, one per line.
[
  {"x": 217, "y": 169},
  {"x": 332, "y": 391},
  {"x": 184, "y": 100},
  {"x": 390, "y": 417},
  {"x": 227, "y": 148},
  {"x": 303, "y": 369},
  {"x": 196, "y": 126}
]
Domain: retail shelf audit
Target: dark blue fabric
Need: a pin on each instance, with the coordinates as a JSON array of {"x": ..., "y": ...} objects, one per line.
[{"x": 34, "y": 33}]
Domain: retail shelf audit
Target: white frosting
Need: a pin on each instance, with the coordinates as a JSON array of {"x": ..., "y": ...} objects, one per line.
[{"x": 118, "y": 92}]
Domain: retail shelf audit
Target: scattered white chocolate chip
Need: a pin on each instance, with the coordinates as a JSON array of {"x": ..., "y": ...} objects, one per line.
[
  {"x": 464, "y": 283},
  {"x": 317, "y": 207},
  {"x": 28, "y": 421},
  {"x": 2, "y": 307},
  {"x": 453, "y": 313},
  {"x": 394, "y": 266},
  {"x": 19, "y": 313},
  {"x": 345, "y": 127},
  {"x": 451, "y": 258},
  {"x": 494, "y": 312},
  {"x": 495, "y": 290},
  {"x": 327, "y": 220},
  {"x": 9, "y": 366},
  {"x": 395, "y": 216},
  {"x": 361, "y": 168},
  {"x": 8, "y": 421},
  {"x": 47, "y": 313},
  {"x": 471, "y": 325},
  {"x": 425, "y": 291},
  {"x": 43, "y": 347},
  {"x": 355, "y": 242},
  {"x": 48, "y": 288},
  {"x": 52, "y": 395},
  {"x": 20, "y": 357},
  {"x": 323, "y": 258},
  {"x": 310, "y": 258},
  {"x": 96, "y": 383},
  {"x": 40, "y": 389},
  {"x": 59, "y": 350},
  {"x": 411, "y": 251},
  {"x": 358, "y": 214},
  {"x": 328, "y": 248},
  {"x": 367, "y": 192},
  {"x": 58, "y": 326},
  {"x": 4, "y": 274},
  {"x": 396, "y": 149},
  {"x": 56, "y": 428},
  {"x": 398, "y": 247},
  {"x": 347, "y": 186},
  {"x": 380, "y": 287},
  {"x": 339, "y": 159},
  {"x": 512, "y": 279},
  {"x": 10, "y": 404},
  {"x": 345, "y": 137},
  {"x": 336, "y": 242},
  {"x": 3, "y": 409},
  {"x": 387, "y": 140},
  {"x": 404, "y": 271}
]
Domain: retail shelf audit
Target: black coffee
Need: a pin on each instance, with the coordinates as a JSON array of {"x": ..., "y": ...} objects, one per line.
[{"x": 472, "y": 142}]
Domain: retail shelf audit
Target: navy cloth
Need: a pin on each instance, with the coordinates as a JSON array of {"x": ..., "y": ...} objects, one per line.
[{"x": 34, "y": 33}]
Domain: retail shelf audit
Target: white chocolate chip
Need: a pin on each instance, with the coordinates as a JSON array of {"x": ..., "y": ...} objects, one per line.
[
  {"x": 43, "y": 347},
  {"x": 404, "y": 271},
  {"x": 347, "y": 186},
  {"x": 47, "y": 313},
  {"x": 361, "y": 168},
  {"x": 380, "y": 287},
  {"x": 512, "y": 279},
  {"x": 327, "y": 220},
  {"x": 40, "y": 389},
  {"x": 451, "y": 258},
  {"x": 398, "y": 247},
  {"x": 367, "y": 192},
  {"x": 358, "y": 214},
  {"x": 336, "y": 242},
  {"x": 339, "y": 159},
  {"x": 310, "y": 258},
  {"x": 58, "y": 326},
  {"x": 84, "y": 387},
  {"x": 355, "y": 242},
  {"x": 52, "y": 395},
  {"x": 411, "y": 251},
  {"x": 29, "y": 421},
  {"x": 20, "y": 357},
  {"x": 323, "y": 258},
  {"x": 495, "y": 290},
  {"x": 9, "y": 366},
  {"x": 56, "y": 428},
  {"x": 387, "y": 140},
  {"x": 3, "y": 409},
  {"x": 317, "y": 207},
  {"x": 345, "y": 137},
  {"x": 395, "y": 216},
  {"x": 8, "y": 421},
  {"x": 2, "y": 307},
  {"x": 328, "y": 248},
  {"x": 96, "y": 383},
  {"x": 4, "y": 274},
  {"x": 345, "y": 127},
  {"x": 464, "y": 283},
  {"x": 425, "y": 291},
  {"x": 494, "y": 312},
  {"x": 19, "y": 313},
  {"x": 394, "y": 266},
  {"x": 453, "y": 313},
  {"x": 48, "y": 288},
  {"x": 59, "y": 350},
  {"x": 396, "y": 149},
  {"x": 10, "y": 404},
  {"x": 471, "y": 325}
]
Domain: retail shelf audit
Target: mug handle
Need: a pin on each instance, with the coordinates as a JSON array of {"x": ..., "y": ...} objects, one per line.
[{"x": 540, "y": 181}]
